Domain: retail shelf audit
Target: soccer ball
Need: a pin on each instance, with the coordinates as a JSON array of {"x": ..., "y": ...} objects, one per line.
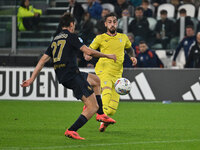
[{"x": 122, "y": 86}]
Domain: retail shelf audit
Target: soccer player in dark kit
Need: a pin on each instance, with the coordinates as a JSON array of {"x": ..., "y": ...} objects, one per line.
[{"x": 63, "y": 50}]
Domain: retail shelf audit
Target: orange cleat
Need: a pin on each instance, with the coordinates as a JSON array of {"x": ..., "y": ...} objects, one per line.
[
  {"x": 104, "y": 118},
  {"x": 103, "y": 127},
  {"x": 73, "y": 135}
]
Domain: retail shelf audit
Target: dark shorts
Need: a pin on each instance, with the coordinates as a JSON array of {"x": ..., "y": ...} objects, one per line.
[{"x": 79, "y": 85}]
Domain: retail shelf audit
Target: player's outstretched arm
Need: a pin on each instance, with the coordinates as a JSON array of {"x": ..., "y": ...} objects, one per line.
[
  {"x": 36, "y": 71},
  {"x": 88, "y": 51}
]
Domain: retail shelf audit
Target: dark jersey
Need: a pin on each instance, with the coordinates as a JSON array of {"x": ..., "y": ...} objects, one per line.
[
  {"x": 148, "y": 59},
  {"x": 193, "y": 60},
  {"x": 63, "y": 50}
]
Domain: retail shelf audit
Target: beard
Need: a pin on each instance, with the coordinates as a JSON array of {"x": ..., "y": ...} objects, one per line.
[{"x": 112, "y": 30}]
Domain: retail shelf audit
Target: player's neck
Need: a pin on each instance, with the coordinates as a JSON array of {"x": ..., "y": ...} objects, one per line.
[{"x": 111, "y": 34}]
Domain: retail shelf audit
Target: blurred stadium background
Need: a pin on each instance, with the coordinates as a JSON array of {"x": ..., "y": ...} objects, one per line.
[
  {"x": 152, "y": 126},
  {"x": 15, "y": 44},
  {"x": 24, "y": 48}
]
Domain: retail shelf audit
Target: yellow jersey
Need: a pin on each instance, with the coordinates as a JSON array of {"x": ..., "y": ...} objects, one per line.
[{"x": 111, "y": 45}]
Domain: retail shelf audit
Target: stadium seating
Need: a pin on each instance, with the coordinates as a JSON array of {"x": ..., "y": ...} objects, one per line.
[
  {"x": 195, "y": 22},
  {"x": 198, "y": 15},
  {"x": 168, "y": 7},
  {"x": 42, "y": 37},
  {"x": 152, "y": 23},
  {"x": 5, "y": 31},
  {"x": 152, "y": 8},
  {"x": 85, "y": 6},
  {"x": 190, "y": 9},
  {"x": 166, "y": 59}
]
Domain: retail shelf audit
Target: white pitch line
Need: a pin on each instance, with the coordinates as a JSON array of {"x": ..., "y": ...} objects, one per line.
[{"x": 93, "y": 145}]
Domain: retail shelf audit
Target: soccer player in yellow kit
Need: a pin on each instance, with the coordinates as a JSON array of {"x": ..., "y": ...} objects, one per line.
[{"x": 107, "y": 70}]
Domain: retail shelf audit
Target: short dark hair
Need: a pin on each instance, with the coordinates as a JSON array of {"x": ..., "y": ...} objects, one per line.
[
  {"x": 163, "y": 12},
  {"x": 139, "y": 8},
  {"x": 142, "y": 42},
  {"x": 110, "y": 15},
  {"x": 145, "y": 1},
  {"x": 190, "y": 26},
  {"x": 66, "y": 19},
  {"x": 182, "y": 11}
]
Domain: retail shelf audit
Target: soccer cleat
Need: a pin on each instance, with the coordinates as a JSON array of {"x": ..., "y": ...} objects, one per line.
[
  {"x": 104, "y": 118},
  {"x": 73, "y": 135},
  {"x": 103, "y": 127}
]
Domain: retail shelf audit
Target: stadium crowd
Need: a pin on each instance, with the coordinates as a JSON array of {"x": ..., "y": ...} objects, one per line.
[{"x": 142, "y": 20}]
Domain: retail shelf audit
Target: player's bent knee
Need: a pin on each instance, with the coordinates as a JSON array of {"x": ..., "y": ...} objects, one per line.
[
  {"x": 97, "y": 80},
  {"x": 94, "y": 80}
]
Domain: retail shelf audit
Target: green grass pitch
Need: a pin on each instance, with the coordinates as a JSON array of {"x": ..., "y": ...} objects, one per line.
[{"x": 40, "y": 125}]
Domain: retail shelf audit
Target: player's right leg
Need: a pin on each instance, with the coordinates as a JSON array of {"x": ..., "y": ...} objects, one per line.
[
  {"x": 106, "y": 97},
  {"x": 82, "y": 90},
  {"x": 92, "y": 107}
]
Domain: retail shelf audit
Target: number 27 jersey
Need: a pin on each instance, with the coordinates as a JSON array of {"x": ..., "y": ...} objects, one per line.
[{"x": 63, "y": 50}]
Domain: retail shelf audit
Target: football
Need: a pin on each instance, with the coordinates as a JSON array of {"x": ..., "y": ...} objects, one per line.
[{"x": 122, "y": 86}]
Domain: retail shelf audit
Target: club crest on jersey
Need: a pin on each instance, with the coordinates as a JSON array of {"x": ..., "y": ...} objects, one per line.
[
  {"x": 120, "y": 39},
  {"x": 105, "y": 82}
]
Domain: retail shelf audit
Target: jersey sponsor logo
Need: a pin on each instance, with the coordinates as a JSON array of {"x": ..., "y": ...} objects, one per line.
[
  {"x": 59, "y": 66},
  {"x": 193, "y": 94},
  {"x": 140, "y": 90}
]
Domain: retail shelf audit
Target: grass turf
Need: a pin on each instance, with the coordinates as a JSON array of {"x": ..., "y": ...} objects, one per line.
[{"x": 26, "y": 125}]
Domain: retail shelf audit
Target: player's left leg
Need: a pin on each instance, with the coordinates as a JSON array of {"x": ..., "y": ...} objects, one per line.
[
  {"x": 112, "y": 107},
  {"x": 114, "y": 102},
  {"x": 82, "y": 90}
]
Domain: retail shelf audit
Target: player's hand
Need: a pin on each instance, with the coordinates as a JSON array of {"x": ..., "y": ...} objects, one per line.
[
  {"x": 26, "y": 83},
  {"x": 87, "y": 57},
  {"x": 112, "y": 56},
  {"x": 173, "y": 63},
  {"x": 134, "y": 60}
]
